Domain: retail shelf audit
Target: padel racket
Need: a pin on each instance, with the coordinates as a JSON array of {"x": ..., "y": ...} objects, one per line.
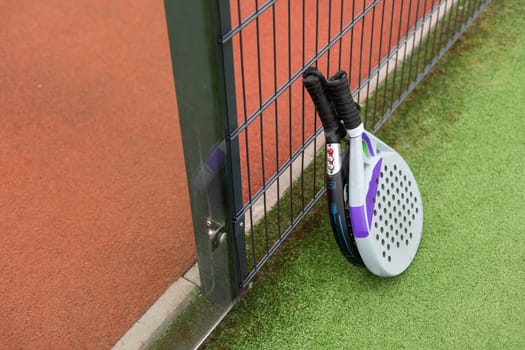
[
  {"x": 383, "y": 200},
  {"x": 336, "y": 174}
]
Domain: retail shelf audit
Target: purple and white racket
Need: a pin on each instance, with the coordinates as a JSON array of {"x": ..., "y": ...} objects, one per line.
[{"x": 385, "y": 208}]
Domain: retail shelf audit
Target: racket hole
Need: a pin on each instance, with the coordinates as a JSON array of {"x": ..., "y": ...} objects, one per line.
[
  {"x": 410, "y": 235},
  {"x": 384, "y": 254},
  {"x": 417, "y": 210},
  {"x": 397, "y": 244},
  {"x": 395, "y": 167},
  {"x": 387, "y": 235},
  {"x": 388, "y": 246},
  {"x": 393, "y": 240},
  {"x": 389, "y": 259},
  {"x": 377, "y": 237},
  {"x": 382, "y": 242},
  {"x": 406, "y": 241}
]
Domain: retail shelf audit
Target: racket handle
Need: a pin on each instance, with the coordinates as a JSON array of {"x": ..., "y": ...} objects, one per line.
[
  {"x": 346, "y": 108},
  {"x": 315, "y": 84}
]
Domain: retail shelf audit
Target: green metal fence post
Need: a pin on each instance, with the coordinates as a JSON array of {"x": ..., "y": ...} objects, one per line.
[{"x": 204, "y": 80}]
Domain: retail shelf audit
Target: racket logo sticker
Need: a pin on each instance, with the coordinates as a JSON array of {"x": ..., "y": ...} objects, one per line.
[{"x": 333, "y": 158}]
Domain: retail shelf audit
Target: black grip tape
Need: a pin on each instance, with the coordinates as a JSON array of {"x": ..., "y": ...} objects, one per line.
[
  {"x": 347, "y": 110},
  {"x": 315, "y": 84}
]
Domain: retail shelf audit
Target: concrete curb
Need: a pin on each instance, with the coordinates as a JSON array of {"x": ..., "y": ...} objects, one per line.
[{"x": 165, "y": 309}]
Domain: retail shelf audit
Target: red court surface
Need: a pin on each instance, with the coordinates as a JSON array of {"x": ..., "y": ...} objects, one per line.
[{"x": 94, "y": 215}]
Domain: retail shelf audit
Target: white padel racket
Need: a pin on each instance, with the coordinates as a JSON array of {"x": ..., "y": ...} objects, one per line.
[{"x": 386, "y": 212}]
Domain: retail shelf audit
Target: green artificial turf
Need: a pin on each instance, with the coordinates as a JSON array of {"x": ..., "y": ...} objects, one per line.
[{"x": 463, "y": 134}]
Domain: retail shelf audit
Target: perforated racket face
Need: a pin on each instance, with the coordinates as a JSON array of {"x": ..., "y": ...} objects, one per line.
[{"x": 397, "y": 220}]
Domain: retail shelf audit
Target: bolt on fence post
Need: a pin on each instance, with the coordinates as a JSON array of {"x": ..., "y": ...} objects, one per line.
[{"x": 205, "y": 88}]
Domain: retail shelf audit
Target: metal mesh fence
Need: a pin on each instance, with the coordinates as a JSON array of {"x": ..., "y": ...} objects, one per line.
[{"x": 386, "y": 46}]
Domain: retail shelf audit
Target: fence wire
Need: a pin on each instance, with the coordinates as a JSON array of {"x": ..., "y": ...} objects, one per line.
[{"x": 386, "y": 46}]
